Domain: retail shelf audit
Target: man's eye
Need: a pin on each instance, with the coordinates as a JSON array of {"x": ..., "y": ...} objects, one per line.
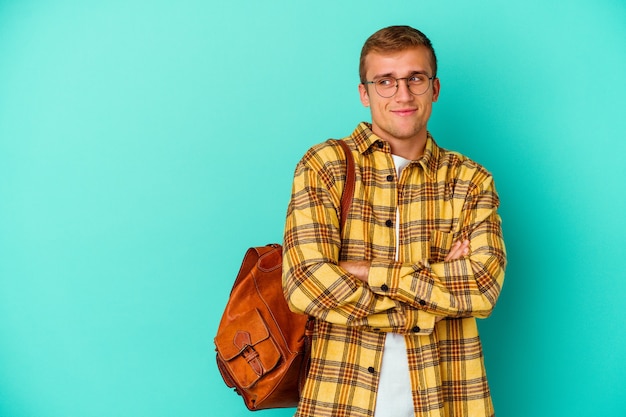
[
  {"x": 417, "y": 79},
  {"x": 386, "y": 82}
]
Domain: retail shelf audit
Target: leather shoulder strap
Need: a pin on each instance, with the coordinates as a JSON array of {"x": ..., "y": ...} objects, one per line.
[{"x": 348, "y": 190}]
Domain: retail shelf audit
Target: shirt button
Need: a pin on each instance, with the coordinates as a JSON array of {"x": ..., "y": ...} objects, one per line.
[
  {"x": 371, "y": 370},
  {"x": 389, "y": 223},
  {"x": 384, "y": 287},
  {"x": 376, "y": 330},
  {"x": 422, "y": 302},
  {"x": 416, "y": 329},
  {"x": 380, "y": 144},
  {"x": 389, "y": 178}
]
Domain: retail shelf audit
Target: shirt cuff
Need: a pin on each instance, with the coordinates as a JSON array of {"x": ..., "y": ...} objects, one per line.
[{"x": 384, "y": 276}]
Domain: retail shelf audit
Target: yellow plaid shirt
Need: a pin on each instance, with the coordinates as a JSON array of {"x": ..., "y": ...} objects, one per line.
[{"x": 441, "y": 198}]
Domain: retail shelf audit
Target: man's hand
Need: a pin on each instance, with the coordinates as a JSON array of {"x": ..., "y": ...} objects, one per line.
[
  {"x": 458, "y": 250},
  {"x": 360, "y": 269}
]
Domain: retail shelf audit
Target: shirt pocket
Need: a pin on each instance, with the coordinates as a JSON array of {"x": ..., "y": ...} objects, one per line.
[{"x": 440, "y": 244}]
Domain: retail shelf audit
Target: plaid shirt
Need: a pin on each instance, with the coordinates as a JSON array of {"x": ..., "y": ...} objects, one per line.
[{"x": 442, "y": 197}]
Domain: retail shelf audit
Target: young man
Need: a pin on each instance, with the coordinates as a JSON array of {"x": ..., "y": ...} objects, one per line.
[{"x": 396, "y": 293}]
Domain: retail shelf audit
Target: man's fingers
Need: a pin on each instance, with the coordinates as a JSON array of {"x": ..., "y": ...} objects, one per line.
[
  {"x": 458, "y": 250},
  {"x": 453, "y": 254}
]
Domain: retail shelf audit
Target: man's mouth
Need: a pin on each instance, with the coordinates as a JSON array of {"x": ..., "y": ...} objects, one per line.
[{"x": 403, "y": 112}]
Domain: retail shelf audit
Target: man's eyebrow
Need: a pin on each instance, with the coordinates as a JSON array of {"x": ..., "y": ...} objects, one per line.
[
  {"x": 419, "y": 72},
  {"x": 389, "y": 74},
  {"x": 377, "y": 76}
]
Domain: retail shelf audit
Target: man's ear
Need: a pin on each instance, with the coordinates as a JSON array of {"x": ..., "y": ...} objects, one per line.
[
  {"x": 436, "y": 88},
  {"x": 365, "y": 98}
]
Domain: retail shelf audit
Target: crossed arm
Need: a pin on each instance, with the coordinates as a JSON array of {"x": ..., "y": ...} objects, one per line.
[
  {"x": 386, "y": 294},
  {"x": 360, "y": 269}
]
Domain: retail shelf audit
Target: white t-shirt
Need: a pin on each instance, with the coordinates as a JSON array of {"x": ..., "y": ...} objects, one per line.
[{"x": 394, "y": 398}]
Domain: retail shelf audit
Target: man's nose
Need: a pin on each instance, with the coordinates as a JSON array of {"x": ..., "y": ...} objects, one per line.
[{"x": 403, "y": 93}]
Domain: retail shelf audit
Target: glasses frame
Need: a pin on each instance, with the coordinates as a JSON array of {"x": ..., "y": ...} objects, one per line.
[{"x": 430, "y": 82}]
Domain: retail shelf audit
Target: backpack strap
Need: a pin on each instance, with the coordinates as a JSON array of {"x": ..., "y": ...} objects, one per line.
[{"x": 348, "y": 189}]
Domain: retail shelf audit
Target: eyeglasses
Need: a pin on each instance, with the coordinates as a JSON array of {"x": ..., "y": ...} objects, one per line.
[{"x": 388, "y": 86}]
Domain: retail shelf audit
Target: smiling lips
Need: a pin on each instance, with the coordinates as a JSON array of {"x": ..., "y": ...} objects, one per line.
[{"x": 404, "y": 112}]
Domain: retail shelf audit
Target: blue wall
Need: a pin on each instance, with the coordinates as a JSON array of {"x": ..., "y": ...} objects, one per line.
[{"x": 144, "y": 145}]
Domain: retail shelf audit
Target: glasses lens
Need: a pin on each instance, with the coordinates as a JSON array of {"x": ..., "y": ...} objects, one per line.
[
  {"x": 386, "y": 87},
  {"x": 418, "y": 84}
]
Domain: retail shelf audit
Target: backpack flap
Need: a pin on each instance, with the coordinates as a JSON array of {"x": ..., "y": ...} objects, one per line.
[{"x": 246, "y": 348}]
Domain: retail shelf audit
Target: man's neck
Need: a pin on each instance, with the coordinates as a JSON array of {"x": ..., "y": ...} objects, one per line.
[{"x": 410, "y": 149}]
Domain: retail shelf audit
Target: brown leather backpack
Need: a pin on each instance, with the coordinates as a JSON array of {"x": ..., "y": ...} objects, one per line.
[{"x": 263, "y": 348}]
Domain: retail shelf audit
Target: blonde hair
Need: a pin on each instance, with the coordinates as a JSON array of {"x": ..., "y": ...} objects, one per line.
[{"x": 393, "y": 39}]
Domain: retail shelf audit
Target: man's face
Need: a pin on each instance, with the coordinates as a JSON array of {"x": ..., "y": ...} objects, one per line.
[{"x": 402, "y": 117}]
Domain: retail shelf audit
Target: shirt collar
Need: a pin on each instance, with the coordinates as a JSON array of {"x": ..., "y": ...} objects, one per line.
[
  {"x": 429, "y": 160},
  {"x": 365, "y": 139}
]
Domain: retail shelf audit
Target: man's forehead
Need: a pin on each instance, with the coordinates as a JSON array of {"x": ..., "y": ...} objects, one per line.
[{"x": 417, "y": 59}]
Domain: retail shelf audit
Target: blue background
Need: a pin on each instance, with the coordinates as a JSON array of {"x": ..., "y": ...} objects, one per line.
[{"x": 144, "y": 145}]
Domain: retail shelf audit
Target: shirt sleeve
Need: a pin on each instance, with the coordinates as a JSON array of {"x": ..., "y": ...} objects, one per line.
[
  {"x": 313, "y": 282},
  {"x": 467, "y": 287}
]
